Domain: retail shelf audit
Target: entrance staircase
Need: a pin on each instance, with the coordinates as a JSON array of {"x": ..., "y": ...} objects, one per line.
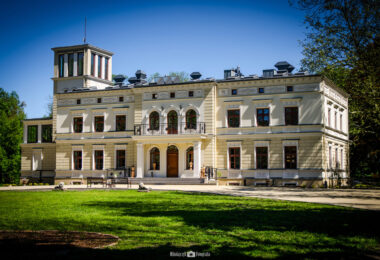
[{"x": 171, "y": 181}]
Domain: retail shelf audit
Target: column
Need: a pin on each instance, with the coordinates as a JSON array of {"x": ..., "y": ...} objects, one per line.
[
  {"x": 140, "y": 161},
  {"x": 197, "y": 159},
  {"x": 39, "y": 133}
]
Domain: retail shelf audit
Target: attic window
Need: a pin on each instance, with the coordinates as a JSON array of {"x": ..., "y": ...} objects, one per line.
[
  {"x": 154, "y": 96},
  {"x": 191, "y": 93},
  {"x": 234, "y": 92},
  {"x": 172, "y": 94},
  {"x": 261, "y": 90},
  {"x": 121, "y": 99},
  {"x": 78, "y": 101},
  {"x": 289, "y": 88},
  {"x": 99, "y": 100}
]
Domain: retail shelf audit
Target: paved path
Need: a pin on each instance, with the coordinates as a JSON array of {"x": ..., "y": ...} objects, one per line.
[{"x": 364, "y": 199}]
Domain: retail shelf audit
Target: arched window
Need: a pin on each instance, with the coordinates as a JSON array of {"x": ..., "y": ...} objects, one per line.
[
  {"x": 154, "y": 121},
  {"x": 190, "y": 158},
  {"x": 155, "y": 159},
  {"x": 172, "y": 122},
  {"x": 191, "y": 119}
]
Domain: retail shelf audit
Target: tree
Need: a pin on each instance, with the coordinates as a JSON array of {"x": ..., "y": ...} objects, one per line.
[
  {"x": 183, "y": 76},
  {"x": 343, "y": 44},
  {"x": 11, "y": 135},
  {"x": 49, "y": 107}
]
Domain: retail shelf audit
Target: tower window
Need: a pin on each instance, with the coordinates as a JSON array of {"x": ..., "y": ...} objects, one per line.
[
  {"x": 99, "y": 66},
  {"x": 93, "y": 64},
  {"x": 71, "y": 64},
  {"x": 106, "y": 61},
  {"x": 61, "y": 65},
  {"x": 80, "y": 64}
]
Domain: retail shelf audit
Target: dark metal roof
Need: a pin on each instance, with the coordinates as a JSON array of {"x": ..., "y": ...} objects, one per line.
[{"x": 38, "y": 118}]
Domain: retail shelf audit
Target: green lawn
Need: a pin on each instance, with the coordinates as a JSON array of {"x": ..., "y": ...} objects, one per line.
[{"x": 156, "y": 223}]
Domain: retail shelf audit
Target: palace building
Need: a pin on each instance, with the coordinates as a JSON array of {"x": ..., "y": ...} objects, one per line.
[{"x": 280, "y": 128}]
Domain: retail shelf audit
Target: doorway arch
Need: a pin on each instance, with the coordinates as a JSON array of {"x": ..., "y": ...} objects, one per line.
[{"x": 172, "y": 161}]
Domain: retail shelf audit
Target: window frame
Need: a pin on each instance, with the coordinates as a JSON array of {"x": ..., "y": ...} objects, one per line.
[
  {"x": 292, "y": 165},
  {"x": 289, "y": 89},
  {"x": 259, "y": 123},
  {"x": 291, "y": 120},
  {"x": 191, "y": 93},
  {"x": 98, "y": 160},
  {"x": 153, "y": 153},
  {"x": 261, "y": 91},
  {"x": 106, "y": 69},
  {"x": 230, "y": 117},
  {"x": 234, "y": 92},
  {"x": 96, "y": 118},
  {"x": 75, "y": 124},
  {"x": 120, "y": 159},
  {"x": 234, "y": 157},
  {"x": 154, "y": 122},
  {"x": 76, "y": 160},
  {"x": 61, "y": 65},
  {"x": 93, "y": 55},
  {"x": 28, "y": 134},
  {"x": 117, "y": 123},
  {"x": 80, "y": 68},
  {"x": 43, "y": 129},
  {"x": 70, "y": 64},
  {"x": 100, "y": 66},
  {"x": 259, "y": 157},
  {"x": 189, "y": 157},
  {"x": 189, "y": 118}
]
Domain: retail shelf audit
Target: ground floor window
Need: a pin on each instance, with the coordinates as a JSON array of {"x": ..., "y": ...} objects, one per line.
[
  {"x": 234, "y": 154},
  {"x": 120, "y": 159},
  {"x": 190, "y": 158},
  {"x": 290, "y": 157},
  {"x": 262, "y": 157},
  {"x": 155, "y": 159},
  {"x": 98, "y": 154},
  {"x": 77, "y": 160}
]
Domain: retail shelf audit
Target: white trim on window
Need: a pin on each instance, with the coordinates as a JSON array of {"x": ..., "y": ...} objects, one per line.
[{"x": 290, "y": 143}]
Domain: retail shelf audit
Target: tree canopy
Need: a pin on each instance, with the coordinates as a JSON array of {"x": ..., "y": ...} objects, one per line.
[
  {"x": 343, "y": 44},
  {"x": 11, "y": 135},
  {"x": 183, "y": 76}
]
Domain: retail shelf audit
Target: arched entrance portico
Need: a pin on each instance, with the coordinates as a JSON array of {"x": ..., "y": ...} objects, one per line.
[{"x": 172, "y": 161}]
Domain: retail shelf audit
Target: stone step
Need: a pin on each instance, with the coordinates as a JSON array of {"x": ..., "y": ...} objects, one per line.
[{"x": 169, "y": 181}]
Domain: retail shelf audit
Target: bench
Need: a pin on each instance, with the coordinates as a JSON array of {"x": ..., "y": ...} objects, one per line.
[{"x": 95, "y": 180}]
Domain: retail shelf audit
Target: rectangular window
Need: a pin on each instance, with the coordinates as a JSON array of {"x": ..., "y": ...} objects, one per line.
[
  {"x": 341, "y": 158},
  {"x": 233, "y": 117},
  {"x": 330, "y": 157},
  {"x": 121, "y": 99},
  {"x": 106, "y": 68},
  {"x": 172, "y": 94},
  {"x": 289, "y": 88},
  {"x": 261, "y": 90},
  {"x": 341, "y": 123},
  {"x": 61, "y": 65},
  {"x": 291, "y": 115},
  {"x": 98, "y": 154},
  {"x": 99, "y": 123},
  {"x": 77, "y": 160},
  {"x": 100, "y": 66},
  {"x": 93, "y": 64},
  {"x": 291, "y": 157},
  {"x": 234, "y": 92},
  {"x": 336, "y": 159},
  {"x": 78, "y": 124},
  {"x": 32, "y": 134},
  {"x": 234, "y": 158},
  {"x": 329, "y": 117},
  {"x": 47, "y": 133},
  {"x": 336, "y": 120},
  {"x": 99, "y": 100},
  {"x": 154, "y": 96},
  {"x": 70, "y": 57},
  {"x": 120, "y": 123},
  {"x": 262, "y": 116},
  {"x": 78, "y": 101},
  {"x": 191, "y": 93},
  {"x": 80, "y": 64},
  {"x": 262, "y": 157},
  {"x": 120, "y": 159}
]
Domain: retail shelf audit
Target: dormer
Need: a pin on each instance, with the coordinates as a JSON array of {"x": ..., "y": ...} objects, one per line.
[{"x": 81, "y": 67}]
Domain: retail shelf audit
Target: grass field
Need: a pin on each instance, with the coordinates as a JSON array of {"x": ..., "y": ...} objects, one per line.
[{"x": 157, "y": 223}]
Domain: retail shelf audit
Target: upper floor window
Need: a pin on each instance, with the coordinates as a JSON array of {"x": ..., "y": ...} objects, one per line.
[
  {"x": 191, "y": 93},
  {"x": 233, "y": 118},
  {"x": 70, "y": 57},
  {"x": 93, "y": 64},
  {"x": 261, "y": 90},
  {"x": 191, "y": 119},
  {"x": 121, "y": 99},
  {"x": 98, "y": 154},
  {"x": 99, "y": 123},
  {"x": 120, "y": 123},
  {"x": 234, "y": 92},
  {"x": 291, "y": 115},
  {"x": 80, "y": 64},
  {"x": 262, "y": 157},
  {"x": 99, "y": 100},
  {"x": 100, "y": 66},
  {"x": 46, "y": 133},
  {"x": 172, "y": 94},
  {"x": 234, "y": 153},
  {"x": 336, "y": 120},
  {"x": 78, "y": 101},
  {"x": 289, "y": 88},
  {"x": 155, "y": 159},
  {"x": 32, "y": 134},
  {"x": 78, "y": 124},
  {"x": 120, "y": 159},
  {"x": 336, "y": 159},
  {"x": 77, "y": 156},
  {"x": 263, "y": 116},
  {"x": 106, "y": 62},
  {"x": 154, "y": 96},
  {"x": 154, "y": 121},
  {"x": 329, "y": 117},
  {"x": 290, "y": 157},
  {"x": 330, "y": 157},
  {"x": 190, "y": 158},
  {"x": 61, "y": 65},
  {"x": 341, "y": 123}
]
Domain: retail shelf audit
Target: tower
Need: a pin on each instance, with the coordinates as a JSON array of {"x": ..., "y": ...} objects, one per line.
[{"x": 81, "y": 67}]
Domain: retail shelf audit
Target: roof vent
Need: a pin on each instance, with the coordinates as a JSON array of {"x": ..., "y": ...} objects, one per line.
[
  {"x": 195, "y": 75},
  {"x": 140, "y": 74},
  {"x": 132, "y": 80},
  {"x": 119, "y": 78},
  {"x": 284, "y": 65}
]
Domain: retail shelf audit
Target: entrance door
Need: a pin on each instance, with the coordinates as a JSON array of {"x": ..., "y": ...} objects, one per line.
[
  {"x": 172, "y": 122},
  {"x": 172, "y": 161}
]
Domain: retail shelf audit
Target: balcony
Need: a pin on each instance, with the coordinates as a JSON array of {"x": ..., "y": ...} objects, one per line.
[{"x": 170, "y": 129}]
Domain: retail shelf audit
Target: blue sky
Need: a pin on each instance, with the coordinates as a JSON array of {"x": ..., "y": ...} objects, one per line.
[{"x": 155, "y": 36}]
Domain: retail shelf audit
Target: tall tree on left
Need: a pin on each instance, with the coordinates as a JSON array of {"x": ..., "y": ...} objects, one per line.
[{"x": 11, "y": 135}]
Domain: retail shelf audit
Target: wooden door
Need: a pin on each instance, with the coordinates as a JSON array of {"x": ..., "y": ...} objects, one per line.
[{"x": 172, "y": 161}]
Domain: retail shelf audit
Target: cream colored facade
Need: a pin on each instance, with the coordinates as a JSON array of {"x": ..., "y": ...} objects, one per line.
[{"x": 320, "y": 137}]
